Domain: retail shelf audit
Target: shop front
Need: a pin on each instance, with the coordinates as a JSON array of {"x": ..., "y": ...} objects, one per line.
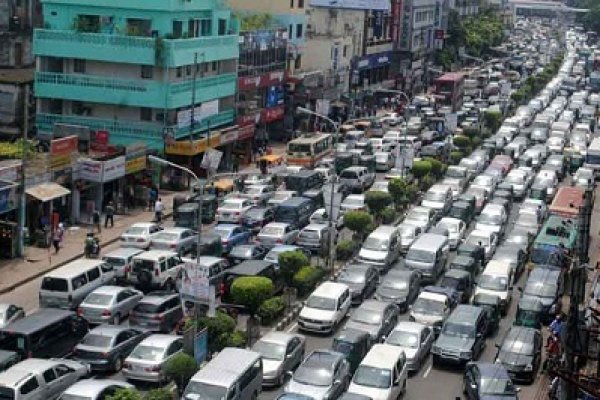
[
  {"x": 138, "y": 176},
  {"x": 373, "y": 70},
  {"x": 42, "y": 202}
]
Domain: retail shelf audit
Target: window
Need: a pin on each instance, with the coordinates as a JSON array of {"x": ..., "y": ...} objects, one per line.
[
  {"x": 205, "y": 27},
  {"x": 147, "y": 71},
  {"x": 178, "y": 71},
  {"x": 145, "y": 114},
  {"x": 291, "y": 3},
  {"x": 298, "y": 62},
  {"x": 222, "y": 26},
  {"x": 93, "y": 274},
  {"x": 345, "y": 51},
  {"x": 79, "y": 281},
  {"x": 290, "y": 29},
  {"x": 77, "y": 108},
  {"x": 79, "y": 66},
  {"x": 106, "y": 268},
  {"x": 177, "y": 29},
  {"x": 175, "y": 347},
  {"x": 215, "y": 65},
  {"x": 29, "y": 386},
  {"x": 188, "y": 70},
  {"x": 122, "y": 297},
  {"x": 163, "y": 266},
  {"x": 49, "y": 375},
  {"x": 298, "y": 30},
  {"x": 300, "y": 3}
]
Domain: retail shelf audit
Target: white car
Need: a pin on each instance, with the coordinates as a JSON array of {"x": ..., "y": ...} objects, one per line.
[
  {"x": 354, "y": 202},
  {"x": 259, "y": 194},
  {"x": 493, "y": 218},
  {"x": 415, "y": 340},
  {"x": 321, "y": 216},
  {"x": 109, "y": 304},
  {"x": 139, "y": 235},
  {"x": 275, "y": 233},
  {"x": 456, "y": 230},
  {"x": 94, "y": 389},
  {"x": 380, "y": 186},
  {"x": 420, "y": 216},
  {"x": 325, "y": 308},
  {"x": 392, "y": 119},
  {"x": 556, "y": 144},
  {"x": 379, "y": 145},
  {"x": 233, "y": 209},
  {"x": 486, "y": 239},
  {"x": 280, "y": 196}
]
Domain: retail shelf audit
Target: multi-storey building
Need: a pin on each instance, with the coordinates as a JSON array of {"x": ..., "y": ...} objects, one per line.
[{"x": 134, "y": 69}]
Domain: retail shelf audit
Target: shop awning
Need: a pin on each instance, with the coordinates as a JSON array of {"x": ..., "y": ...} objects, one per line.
[{"x": 47, "y": 191}]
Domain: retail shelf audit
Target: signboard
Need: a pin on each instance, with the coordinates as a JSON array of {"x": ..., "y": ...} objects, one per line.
[
  {"x": 261, "y": 81},
  {"x": 113, "y": 169},
  {"x": 322, "y": 106},
  {"x": 383, "y": 5},
  {"x": 211, "y": 159},
  {"x": 201, "y": 346},
  {"x": 273, "y": 113},
  {"x": 228, "y": 136},
  {"x": 194, "y": 284},
  {"x": 246, "y": 132},
  {"x": 134, "y": 165},
  {"x": 374, "y": 61},
  {"x": 201, "y": 112},
  {"x": 90, "y": 170},
  {"x": 100, "y": 141},
  {"x": 61, "y": 151},
  {"x": 248, "y": 119},
  {"x": 187, "y": 147}
]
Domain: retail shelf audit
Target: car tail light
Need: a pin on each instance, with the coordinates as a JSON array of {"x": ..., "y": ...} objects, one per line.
[
  {"x": 80, "y": 311},
  {"x": 173, "y": 246},
  {"x": 106, "y": 313},
  {"x": 154, "y": 368},
  {"x": 127, "y": 269},
  {"x": 279, "y": 241},
  {"x": 29, "y": 354},
  {"x": 236, "y": 213},
  {"x": 222, "y": 289}
]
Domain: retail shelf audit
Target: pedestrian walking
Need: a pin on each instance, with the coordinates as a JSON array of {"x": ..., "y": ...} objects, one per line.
[
  {"x": 110, "y": 214},
  {"x": 236, "y": 164},
  {"x": 159, "y": 208},
  {"x": 96, "y": 221},
  {"x": 152, "y": 195},
  {"x": 57, "y": 237}
]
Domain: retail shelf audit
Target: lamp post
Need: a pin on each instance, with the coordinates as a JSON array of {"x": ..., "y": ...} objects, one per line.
[
  {"x": 163, "y": 162},
  {"x": 401, "y": 93},
  {"x": 336, "y": 126}
]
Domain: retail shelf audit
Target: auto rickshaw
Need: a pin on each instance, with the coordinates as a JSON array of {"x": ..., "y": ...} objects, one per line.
[
  {"x": 224, "y": 186},
  {"x": 272, "y": 159},
  {"x": 186, "y": 215},
  {"x": 354, "y": 344},
  {"x": 465, "y": 263},
  {"x": 529, "y": 313},
  {"x": 491, "y": 305},
  {"x": 473, "y": 251}
]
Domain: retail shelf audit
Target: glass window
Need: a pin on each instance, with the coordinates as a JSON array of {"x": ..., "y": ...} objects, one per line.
[
  {"x": 146, "y": 112},
  {"x": 29, "y": 386},
  {"x": 93, "y": 274},
  {"x": 147, "y": 71},
  {"x": 79, "y": 281},
  {"x": 49, "y": 375},
  {"x": 79, "y": 66}
]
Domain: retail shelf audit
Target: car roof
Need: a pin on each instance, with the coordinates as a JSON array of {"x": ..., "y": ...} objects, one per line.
[
  {"x": 281, "y": 225},
  {"x": 227, "y": 227},
  {"x": 249, "y": 267},
  {"x": 14, "y": 375},
  {"x": 383, "y": 355},
  {"x": 74, "y": 268},
  {"x": 109, "y": 289},
  {"x": 520, "y": 334},
  {"x": 174, "y": 230},
  {"x": 492, "y": 370},
  {"x": 159, "y": 340},
  {"x": 155, "y": 298},
  {"x": 142, "y": 225},
  {"x": 154, "y": 254},
  {"x": 224, "y": 368},
  {"x": 278, "y": 337},
  {"x": 409, "y": 326},
  {"x": 330, "y": 289},
  {"x": 38, "y": 319},
  {"x": 373, "y": 305},
  {"x": 93, "y": 387},
  {"x": 108, "y": 330},
  {"x": 123, "y": 252}
]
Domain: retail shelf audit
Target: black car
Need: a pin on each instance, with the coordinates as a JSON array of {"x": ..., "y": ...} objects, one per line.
[
  {"x": 257, "y": 217},
  {"x": 399, "y": 286},
  {"x": 488, "y": 381},
  {"x": 521, "y": 353},
  {"x": 361, "y": 279},
  {"x": 459, "y": 280},
  {"x": 243, "y": 252},
  {"x": 465, "y": 263},
  {"x": 105, "y": 347},
  {"x": 546, "y": 285}
]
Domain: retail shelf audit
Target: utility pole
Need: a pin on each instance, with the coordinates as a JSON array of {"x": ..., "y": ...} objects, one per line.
[
  {"x": 193, "y": 95},
  {"x": 22, "y": 197}
]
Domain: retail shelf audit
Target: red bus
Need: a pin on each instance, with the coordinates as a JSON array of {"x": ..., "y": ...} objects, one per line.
[
  {"x": 568, "y": 202},
  {"x": 449, "y": 90}
]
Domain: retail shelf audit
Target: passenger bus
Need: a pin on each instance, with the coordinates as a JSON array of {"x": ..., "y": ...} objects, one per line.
[
  {"x": 592, "y": 158},
  {"x": 569, "y": 202},
  {"x": 308, "y": 150},
  {"x": 556, "y": 242},
  {"x": 450, "y": 89}
]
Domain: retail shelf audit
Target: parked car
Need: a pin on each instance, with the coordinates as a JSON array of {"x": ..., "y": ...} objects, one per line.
[
  {"x": 243, "y": 252},
  {"x": 259, "y": 194},
  {"x": 421, "y": 217},
  {"x": 486, "y": 239},
  {"x": 275, "y": 233},
  {"x": 157, "y": 312},
  {"x": 362, "y": 280},
  {"x": 485, "y": 380},
  {"x": 105, "y": 347},
  {"x": 179, "y": 240},
  {"x": 149, "y": 358},
  {"x": 139, "y": 235},
  {"x": 415, "y": 339},
  {"x": 233, "y": 210},
  {"x": 257, "y": 217},
  {"x": 456, "y": 230},
  {"x": 94, "y": 389},
  {"x": 109, "y": 304},
  {"x": 281, "y": 354},
  {"x": 273, "y": 254}
]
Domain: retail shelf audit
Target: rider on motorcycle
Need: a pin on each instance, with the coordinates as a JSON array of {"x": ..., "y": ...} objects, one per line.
[{"x": 92, "y": 245}]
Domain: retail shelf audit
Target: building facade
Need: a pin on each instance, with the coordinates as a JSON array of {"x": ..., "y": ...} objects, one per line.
[{"x": 135, "y": 69}]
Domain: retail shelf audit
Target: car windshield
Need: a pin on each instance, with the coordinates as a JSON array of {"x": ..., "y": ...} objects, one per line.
[
  {"x": 223, "y": 233},
  {"x": 451, "y": 226},
  {"x": 461, "y": 330},
  {"x": 376, "y": 244},
  {"x": 98, "y": 299},
  {"x": 349, "y": 174},
  {"x": 148, "y": 353},
  {"x": 488, "y": 218},
  {"x": 202, "y": 391},
  {"x": 241, "y": 252},
  {"x": 166, "y": 237},
  {"x": 491, "y": 282},
  {"x": 115, "y": 261},
  {"x": 269, "y": 351},
  {"x": 372, "y": 377},
  {"x": 272, "y": 231},
  {"x": 404, "y": 339},
  {"x": 416, "y": 215},
  {"x": 496, "y": 386},
  {"x": 435, "y": 196},
  {"x": 354, "y": 201},
  {"x": 351, "y": 277},
  {"x": 55, "y": 284},
  {"x": 517, "y": 180},
  {"x": 254, "y": 190},
  {"x": 428, "y": 306},
  {"x": 255, "y": 213},
  {"x": 391, "y": 283},
  {"x": 232, "y": 204},
  {"x": 135, "y": 230},
  {"x": 321, "y": 303},
  {"x": 420, "y": 255},
  {"x": 455, "y": 173},
  {"x": 314, "y": 373},
  {"x": 366, "y": 317},
  {"x": 516, "y": 346},
  {"x": 527, "y": 220},
  {"x": 94, "y": 340},
  {"x": 407, "y": 231},
  {"x": 483, "y": 180},
  {"x": 540, "y": 289}
]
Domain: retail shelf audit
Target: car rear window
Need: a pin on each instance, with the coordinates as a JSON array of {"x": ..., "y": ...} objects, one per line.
[
  {"x": 6, "y": 393},
  {"x": 146, "y": 308},
  {"x": 55, "y": 284}
]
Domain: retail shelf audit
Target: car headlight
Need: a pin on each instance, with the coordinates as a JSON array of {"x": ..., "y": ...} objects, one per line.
[
  {"x": 529, "y": 367},
  {"x": 465, "y": 354}
]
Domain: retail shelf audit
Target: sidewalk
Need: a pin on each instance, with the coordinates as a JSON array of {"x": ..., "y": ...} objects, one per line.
[{"x": 39, "y": 261}]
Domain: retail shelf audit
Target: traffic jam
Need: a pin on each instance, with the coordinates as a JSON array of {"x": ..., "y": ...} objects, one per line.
[{"x": 381, "y": 258}]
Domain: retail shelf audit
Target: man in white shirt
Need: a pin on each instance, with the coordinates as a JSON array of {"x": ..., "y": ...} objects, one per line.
[{"x": 159, "y": 208}]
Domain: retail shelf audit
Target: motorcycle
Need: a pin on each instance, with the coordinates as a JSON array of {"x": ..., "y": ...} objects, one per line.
[{"x": 92, "y": 246}]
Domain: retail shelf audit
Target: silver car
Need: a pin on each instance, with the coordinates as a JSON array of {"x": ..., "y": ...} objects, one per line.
[
  {"x": 415, "y": 339},
  {"x": 179, "y": 240},
  {"x": 10, "y": 313},
  {"x": 94, "y": 389},
  {"x": 275, "y": 233},
  {"x": 259, "y": 194},
  {"x": 148, "y": 360},
  {"x": 139, "y": 234},
  {"x": 281, "y": 353},
  {"x": 109, "y": 304}
]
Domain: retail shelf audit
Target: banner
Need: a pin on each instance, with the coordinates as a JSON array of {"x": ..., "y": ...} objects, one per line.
[
  {"x": 90, "y": 170},
  {"x": 61, "y": 152},
  {"x": 135, "y": 158},
  {"x": 211, "y": 159},
  {"x": 353, "y": 4},
  {"x": 194, "y": 284},
  {"x": 113, "y": 169}
]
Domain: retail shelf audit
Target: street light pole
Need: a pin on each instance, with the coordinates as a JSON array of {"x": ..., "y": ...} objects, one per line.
[{"x": 336, "y": 126}]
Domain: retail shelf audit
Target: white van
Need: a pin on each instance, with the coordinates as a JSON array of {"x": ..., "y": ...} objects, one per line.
[
  {"x": 234, "y": 374},
  {"x": 67, "y": 286},
  {"x": 382, "y": 374},
  {"x": 497, "y": 280},
  {"x": 381, "y": 248},
  {"x": 121, "y": 260},
  {"x": 439, "y": 197},
  {"x": 428, "y": 255},
  {"x": 325, "y": 308}
]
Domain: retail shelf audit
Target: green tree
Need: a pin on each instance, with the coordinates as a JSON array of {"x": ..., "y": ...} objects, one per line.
[
  {"x": 290, "y": 262},
  {"x": 492, "y": 120},
  {"x": 218, "y": 327},
  {"x": 251, "y": 291},
  {"x": 181, "y": 367},
  {"x": 125, "y": 394},
  {"x": 358, "y": 222},
  {"x": 398, "y": 188},
  {"x": 421, "y": 168},
  {"x": 377, "y": 201},
  {"x": 159, "y": 394},
  {"x": 437, "y": 167}
]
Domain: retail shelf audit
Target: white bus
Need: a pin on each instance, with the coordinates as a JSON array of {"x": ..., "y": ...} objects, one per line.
[{"x": 592, "y": 158}]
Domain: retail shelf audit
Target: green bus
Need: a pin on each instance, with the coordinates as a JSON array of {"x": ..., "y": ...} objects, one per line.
[{"x": 555, "y": 243}]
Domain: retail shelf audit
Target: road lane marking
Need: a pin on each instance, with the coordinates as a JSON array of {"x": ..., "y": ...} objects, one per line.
[
  {"x": 428, "y": 369},
  {"x": 291, "y": 328}
]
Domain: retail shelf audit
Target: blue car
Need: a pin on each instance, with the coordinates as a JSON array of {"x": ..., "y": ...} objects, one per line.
[
  {"x": 484, "y": 381},
  {"x": 231, "y": 235}
]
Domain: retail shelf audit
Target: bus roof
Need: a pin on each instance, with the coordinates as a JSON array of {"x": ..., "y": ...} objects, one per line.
[
  {"x": 595, "y": 145},
  {"x": 451, "y": 77},
  {"x": 310, "y": 138},
  {"x": 556, "y": 231},
  {"x": 568, "y": 202}
]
